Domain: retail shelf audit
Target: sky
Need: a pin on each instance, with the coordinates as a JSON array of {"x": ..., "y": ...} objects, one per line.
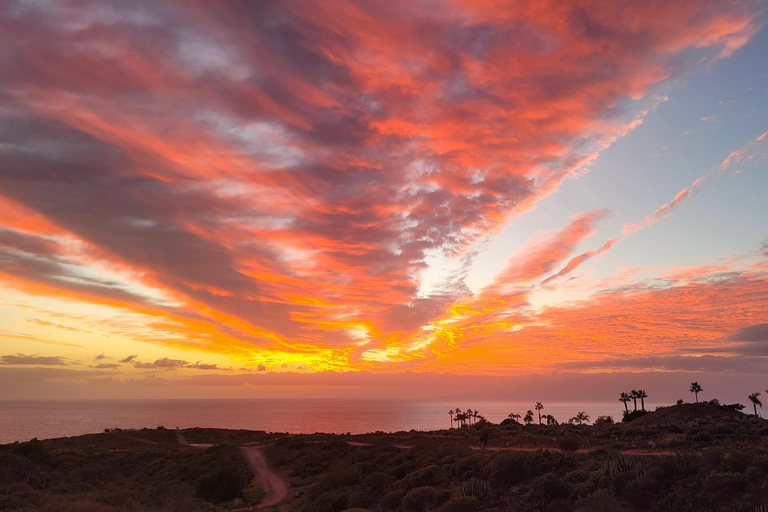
[{"x": 335, "y": 198}]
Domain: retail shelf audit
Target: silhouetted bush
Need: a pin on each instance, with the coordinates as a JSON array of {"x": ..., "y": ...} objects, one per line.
[
  {"x": 633, "y": 415},
  {"x": 461, "y": 504},
  {"x": 221, "y": 485},
  {"x": 568, "y": 444},
  {"x": 425, "y": 498}
]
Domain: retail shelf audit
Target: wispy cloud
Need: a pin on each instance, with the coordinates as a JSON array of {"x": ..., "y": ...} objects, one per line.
[{"x": 23, "y": 359}]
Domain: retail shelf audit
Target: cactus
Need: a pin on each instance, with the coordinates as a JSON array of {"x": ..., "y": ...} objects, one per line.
[
  {"x": 476, "y": 487},
  {"x": 621, "y": 464}
]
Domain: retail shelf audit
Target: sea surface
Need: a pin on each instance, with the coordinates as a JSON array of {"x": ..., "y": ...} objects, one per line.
[{"x": 24, "y": 420}]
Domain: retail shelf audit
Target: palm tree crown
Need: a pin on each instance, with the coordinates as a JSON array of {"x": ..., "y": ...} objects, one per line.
[
  {"x": 696, "y": 389},
  {"x": 642, "y": 395},
  {"x": 625, "y": 398},
  {"x": 580, "y": 418}
]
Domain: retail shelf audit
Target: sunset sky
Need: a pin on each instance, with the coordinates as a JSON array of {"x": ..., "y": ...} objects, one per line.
[{"x": 346, "y": 198}]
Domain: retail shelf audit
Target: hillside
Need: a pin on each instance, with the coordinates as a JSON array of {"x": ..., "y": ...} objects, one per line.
[{"x": 697, "y": 457}]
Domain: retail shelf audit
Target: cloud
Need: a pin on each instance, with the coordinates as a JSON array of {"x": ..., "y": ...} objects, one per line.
[
  {"x": 129, "y": 359},
  {"x": 99, "y": 357},
  {"x": 166, "y": 363},
  {"x": 202, "y": 366},
  {"x": 162, "y": 363},
  {"x": 105, "y": 366},
  {"x": 265, "y": 178},
  {"x": 19, "y": 359},
  {"x": 751, "y": 333}
]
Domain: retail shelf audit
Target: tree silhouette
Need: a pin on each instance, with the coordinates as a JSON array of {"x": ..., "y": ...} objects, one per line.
[
  {"x": 539, "y": 408},
  {"x": 642, "y": 395},
  {"x": 634, "y": 396},
  {"x": 514, "y": 417},
  {"x": 475, "y": 415},
  {"x": 528, "y": 419},
  {"x": 755, "y": 401},
  {"x": 469, "y": 416},
  {"x": 625, "y": 398},
  {"x": 580, "y": 418},
  {"x": 459, "y": 421},
  {"x": 696, "y": 389},
  {"x": 551, "y": 420},
  {"x": 451, "y": 413}
]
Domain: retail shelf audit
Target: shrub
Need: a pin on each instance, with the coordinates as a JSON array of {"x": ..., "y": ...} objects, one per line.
[
  {"x": 568, "y": 444},
  {"x": 424, "y": 498},
  {"x": 461, "y": 504},
  {"x": 221, "y": 485},
  {"x": 633, "y": 415},
  {"x": 391, "y": 500},
  {"x": 35, "y": 452}
]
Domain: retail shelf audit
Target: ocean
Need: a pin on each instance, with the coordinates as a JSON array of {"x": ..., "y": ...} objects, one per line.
[{"x": 24, "y": 420}]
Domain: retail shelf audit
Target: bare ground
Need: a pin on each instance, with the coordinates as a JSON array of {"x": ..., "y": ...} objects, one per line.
[{"x": 275, "y": 487}]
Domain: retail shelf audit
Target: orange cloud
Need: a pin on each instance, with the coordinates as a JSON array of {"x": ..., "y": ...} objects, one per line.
[{"x": 269, "y": 179}]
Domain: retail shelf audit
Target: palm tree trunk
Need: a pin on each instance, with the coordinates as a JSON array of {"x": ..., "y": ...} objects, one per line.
[
  {"x": 696, "y": 394},
  {"x": 642, "y": 403},
  {"x": 635, "y": 399},
  {"x": 755, "y": 406},
  {"x": 626, "y": 407}
]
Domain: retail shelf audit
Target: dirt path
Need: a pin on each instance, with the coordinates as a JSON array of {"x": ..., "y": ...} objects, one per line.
[
  {"x": 276, "y": 487},
  {"x": 183, "y": 441}
]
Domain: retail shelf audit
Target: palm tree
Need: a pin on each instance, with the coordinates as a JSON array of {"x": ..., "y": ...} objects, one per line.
[
  {"x": 580, "y": 418},
  {"x": 458, "y": 420},
  {"x": 539, "y": 408},
  {"x": 634, "y": 396},
  {"x": 528, "y": 419},
  {"x": 514, "y": 417},
  {"x": 755, "y": 401},
  {"x": 475, "y": 415},
  {"x": 696, "y": 389},
  {"x": 469, "y": 416},
  {"x": 625, "y": 398},
  {"x": 642, "y": 395},
  {"x": 551, "y": 420},
  {"x": 451, "y": 413}
]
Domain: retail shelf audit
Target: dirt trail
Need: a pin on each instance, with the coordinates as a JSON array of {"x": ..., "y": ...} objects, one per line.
[
  {"x": 183, "y": 441},
  {"x": 276, "y": 487}
]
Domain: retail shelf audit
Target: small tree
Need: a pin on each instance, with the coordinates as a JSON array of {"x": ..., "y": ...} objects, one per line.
[
  {"x": 580, "y": 418},
  {"x": 754, "y": 398},
  {"x": 696, "y": 389},
  {"x": 528, "y": 418}
]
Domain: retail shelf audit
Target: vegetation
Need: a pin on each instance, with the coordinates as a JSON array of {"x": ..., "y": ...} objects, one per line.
[
  {"x": 702, "y": 456},
  {"x": 720, "y": 462},
  {"x": 696, "y": 389},
  {"x": 121, "y": 470}
]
